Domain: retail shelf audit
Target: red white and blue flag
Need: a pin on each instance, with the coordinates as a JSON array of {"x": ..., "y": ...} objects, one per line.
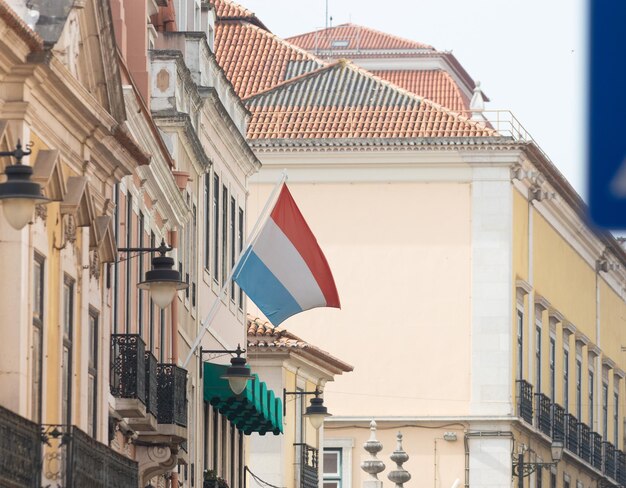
[{"x": 284, "y": 271}]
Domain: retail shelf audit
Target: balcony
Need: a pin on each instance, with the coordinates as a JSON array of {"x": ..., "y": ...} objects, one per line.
[
  {"x": 584, "y": 442},
  {"x": 308, "y": 466},
  {"x": 596, "y": 450},
  {"x": 72, "y": 458},
  {"x": 620, "y": 475},
  {"x": 148, "y": 422},
  {"x": 172, "y": 401},
  {"x": 558, "y": 423},
  {"x": 543, "y": 413},
  {"x": 608, "y": 460},
  {"x": 525, "y": 400},
  {"x": 128, "y": 375},
  {"x": 571, "y": 430},
  {"x": 20, "y": 450}
]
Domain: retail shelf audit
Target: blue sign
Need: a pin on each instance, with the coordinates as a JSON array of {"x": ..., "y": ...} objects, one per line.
[{"x": 606, "y": 119}]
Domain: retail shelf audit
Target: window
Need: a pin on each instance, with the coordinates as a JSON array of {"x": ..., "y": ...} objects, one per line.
[
  {"x": 520, "y": 344},
  {"x": 615, "y": 418},
  {"x": 240, "y": 237},
  {"x": 92, "y": 375},
  {"x": 66, "y": 364},
  {"x": 224, "y": 233},
  {"x": 579, "y": 389},
  {"x": 151, "y": 310},
  {"x": 207, "y": 220},
  {"x": 552, "y": 479},
  {"x": 332, "y": 468},
  {"x": 116, "y": 266},
  {"x": 591, "y": 400},
  {"x": 538, "y": 358},
  {"x": 605, "y": 411},
  {"x": 233, "y": 209},
  {"x": 140, "y": 270},
  {"x": 162, "y": 336},
  {"x": 37, "y": 345},
  {"x": 566, "y": 380},
  {"x": 216, "y": 224},
  {"x": 552, "y": 369},
  {"x": 129, "y": 243},
  {"x": 194, "y": 254},
  {"x": 565, "y": 482}
]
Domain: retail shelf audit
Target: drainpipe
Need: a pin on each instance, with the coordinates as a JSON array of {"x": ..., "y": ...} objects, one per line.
[{"x": 468, "y": 435}]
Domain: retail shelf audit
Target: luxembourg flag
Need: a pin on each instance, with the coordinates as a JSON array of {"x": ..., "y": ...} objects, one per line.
[{"x": 284, "y": 271}]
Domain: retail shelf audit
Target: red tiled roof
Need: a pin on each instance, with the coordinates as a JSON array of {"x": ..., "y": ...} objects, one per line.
[
  {"x": 435, "y": 85},
  {"x": 254, "y": 59},
  {"x": 229, "y": 10},
  {"x": 343, "y": 101},
  {"x": 348, "y": 37},
  {"x": 263, "y": 336}
]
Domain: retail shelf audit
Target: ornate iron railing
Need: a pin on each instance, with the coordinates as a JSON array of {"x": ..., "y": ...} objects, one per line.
[
  {"x": 542, "y": 409},
  {"x": 128, "y": 366},
  {"x": 584, "y": 440},
  {"x": 308, "y": 465},
  {"x": 621, "y": 468},
  {"x": 74, "y": 459},
  {"x": 596, "y": 450},
  {"x": 558, "y": 422},
  {"x": 571, "y": 437},
  {"x": 20, "y": 451},
  {"x": 172, "y": 394},
  {"x": 525, "y": 400},
  {"x": 608, "y": 459},
  {"x": 151, "y": 383}
]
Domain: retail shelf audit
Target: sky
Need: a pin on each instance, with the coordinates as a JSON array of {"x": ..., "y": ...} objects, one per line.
[{"x": 529, "y": 55}]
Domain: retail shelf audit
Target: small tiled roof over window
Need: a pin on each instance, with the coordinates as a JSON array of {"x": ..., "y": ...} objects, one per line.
[
  {"x": 343, "y": 101},
  {"x": 353, "y": 37},
  {"x": 435, "y": 85},
  {"x": 254, "y": 59},
  {"x": 263, "y": 336}
]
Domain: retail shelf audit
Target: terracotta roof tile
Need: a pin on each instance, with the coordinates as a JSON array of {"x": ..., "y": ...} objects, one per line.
[
  {"x": 228, "y": 10},
  {"x": 348, "y": 37},
  {"x": 435, "y": 85},
  {"x": 263, "y": 336},
  {"x": 343, "y": 101},
  {"x": 254, "y": 59}
]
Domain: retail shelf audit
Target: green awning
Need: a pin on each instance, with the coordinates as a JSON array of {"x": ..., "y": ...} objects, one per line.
[{"x": 257, "y": 409}]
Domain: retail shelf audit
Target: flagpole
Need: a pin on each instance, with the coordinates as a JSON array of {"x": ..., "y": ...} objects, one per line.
[{"x": 204, "y": 325}]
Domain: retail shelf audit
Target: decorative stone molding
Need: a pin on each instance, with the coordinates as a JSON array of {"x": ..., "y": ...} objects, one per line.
[
  {"x": 154, "y": 461},
  {"x": 41, "y": 212},
  {"x": 542, "y": 302},
  {"x": 94, "y": 264},
  {"x": 399, "y": 475},
  {"x": 69, "y": 229}
]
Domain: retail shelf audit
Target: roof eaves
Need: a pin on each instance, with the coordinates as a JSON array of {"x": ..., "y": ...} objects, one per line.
[{"x": 29, "y": 36}]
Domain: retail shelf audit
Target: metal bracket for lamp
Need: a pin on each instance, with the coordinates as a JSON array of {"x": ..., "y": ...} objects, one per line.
[
  {"x": 162, "y": 281},
  {"x": 238, "y": 373},
  {"x": 522, "y": 469},
  {"x": 316, "y": 412}
]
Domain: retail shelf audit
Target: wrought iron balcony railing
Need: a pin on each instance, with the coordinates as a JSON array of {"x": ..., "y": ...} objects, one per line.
[
  {"x": 20, "y": 450},
  {"x": 308, "y": 465},
  {"x": 596, "y": 450},
  {"x": 525, "y": 400},
  {"x": 608, "y": 460},
  {"x": 542, "y": 410},
  {"x": 620, "y": 476},
  {"x": 584, "y": 442},
  {"x": 128, "y": 366},
  {"x": 72, "y": 459},
  {"x": 571, "y": 433},
  {"x": 558, "y": 422},
  {"x": 172, "y": 395},
  {"x": 151, "y": 383}
]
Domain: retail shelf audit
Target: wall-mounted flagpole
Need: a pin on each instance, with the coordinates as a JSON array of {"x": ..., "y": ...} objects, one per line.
[{"x": 205, "y": 324}]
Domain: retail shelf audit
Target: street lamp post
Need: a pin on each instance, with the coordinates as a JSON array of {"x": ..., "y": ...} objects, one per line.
[{"x": 316, "y": 411}]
